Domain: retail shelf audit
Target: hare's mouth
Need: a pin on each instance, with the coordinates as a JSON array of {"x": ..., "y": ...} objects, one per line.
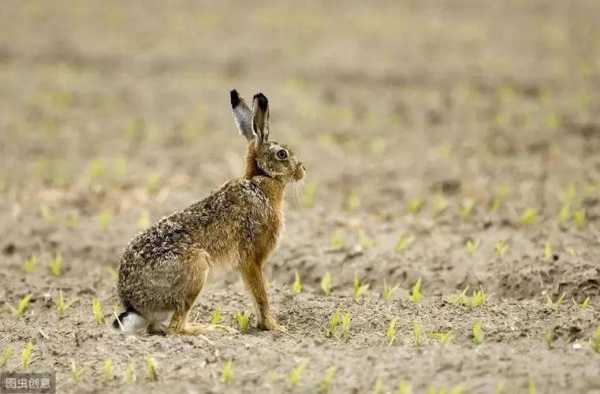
[{"x": 300, "y": 172}]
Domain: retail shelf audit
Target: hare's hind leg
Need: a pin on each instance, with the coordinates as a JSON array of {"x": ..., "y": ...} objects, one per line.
[
  {"x": 252, "y": 274},
  {"x": 196, "y": 268}
]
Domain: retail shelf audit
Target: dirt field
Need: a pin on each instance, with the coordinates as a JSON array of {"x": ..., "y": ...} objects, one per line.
[{"x": 456, "y": 142}]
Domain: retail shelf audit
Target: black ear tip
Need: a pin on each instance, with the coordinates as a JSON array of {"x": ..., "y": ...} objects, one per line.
[
  {"x": 235, "y": 98},
  {"x": 262, "y": 100}
]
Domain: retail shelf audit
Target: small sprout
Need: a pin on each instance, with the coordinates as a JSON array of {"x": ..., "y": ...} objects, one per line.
[
  {"x": 443, "y": 337},
  {"x": 129, "y": 376},
  {"x": 104, "y": 219},
  {"x": 26, "y": 355},
  {"x": 414, "y": 205},
  {"x": 296, "y": 373},
  {"x": 76, "y": 372},
  {"x": 565, "y": 213},
  {"x": 308, "y": 195},
  {"x": 358, "y": 288},
  {"x": 243, "y": 320},
  {"x": 364, "y": 240},
  {"x": 21, "y": 306},
  {"x": 215, "y": 318},
  {"x": 415, "y": 294},
  {"x": 579, "y": 219},
  {"x": 440, "y": 204},
  {"x": 418, "y": 334},
  {"x": 30, "y": 264},
  {"x": 56, "y": 265},
  {"x": 595, "y": 341},
  {"x": 96, "y": 170},
  {"x": 334, "y": 320},
  {"x": 390, "y": 333},
  {"x": 460, "y": 298},
  {"x": 46, "y": 214},
  {"x": 571, "y": 251},
  {"x": 478, "y": 299},
  {"x": 98, "y": 311},
  {"x": 151, "y": 369},
  {"x": 227, "y": 374},
  {"x": 555, "y": 304},
  {"x": 389, "y": 291},
  {"x": 351, "y": 202},
  {"x": 107, "y": 370},
  {"x": 297, "y": 286},
  {"x": 378, "y": 388},
  {"x": 326, "y": 283},
  {"x": 529, "y": 216},
  {"x": 531, "y": 389},
  {"x": 403, "y": 243},
  {"x": 152, "y": 184},
  {"x": 143, "y": 221},
  {"x": 548, "y": 256},
  {"x": 471, "y": 246},
  {"x": 346, "y": 325},
  {"x": 338, "y": 239},
  {"x": 6, "y": 355},
  {"x": 584, "y": 305},
  {"x": 404, "y": 388},
  {"x": 325, "y": 384},
  {"x": 62, "y": 305},
  {"x": 466, "y": 208},
  {"x": 114, "y": 274},
  {"x": 501, "y": 248},
  {"x": 477, "y": 333},
  {"x": 549, "y": 338}
]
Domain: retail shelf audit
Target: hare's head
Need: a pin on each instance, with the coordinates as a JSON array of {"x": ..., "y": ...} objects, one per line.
[{"x": 266, "y": 158}]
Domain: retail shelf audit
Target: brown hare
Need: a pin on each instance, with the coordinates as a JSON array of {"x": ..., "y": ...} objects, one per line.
[{"x": 164, "y": 268}]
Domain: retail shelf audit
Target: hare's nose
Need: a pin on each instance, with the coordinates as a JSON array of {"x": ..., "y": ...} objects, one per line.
[{"x": 301, "y": 165}]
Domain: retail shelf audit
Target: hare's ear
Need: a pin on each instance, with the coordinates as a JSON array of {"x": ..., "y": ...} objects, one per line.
[
  {"x": 242, "y": 115},
  {"x": 260, "y": 118}
]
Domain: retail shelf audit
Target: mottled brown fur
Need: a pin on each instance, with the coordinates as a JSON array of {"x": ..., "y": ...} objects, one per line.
[{"x": 164, "y": 268}]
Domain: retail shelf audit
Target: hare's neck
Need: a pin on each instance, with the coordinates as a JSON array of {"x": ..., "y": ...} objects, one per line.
[{"x": 273, "y": 189}]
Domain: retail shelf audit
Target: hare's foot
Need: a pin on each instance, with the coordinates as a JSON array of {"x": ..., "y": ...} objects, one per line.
[{"x": 269, "y": 323}]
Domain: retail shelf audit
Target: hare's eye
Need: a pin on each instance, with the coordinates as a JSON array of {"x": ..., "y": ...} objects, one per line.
[{"x": 282, "y": 154}]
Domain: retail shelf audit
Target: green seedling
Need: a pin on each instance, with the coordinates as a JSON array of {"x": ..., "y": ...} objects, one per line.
[
  {"x": 351, "y": 202},
  {"x": 529, "y": 216},
  {"x": 325, "y": 384},
  {"x": 215, "y": 318},
  {"x": 98, "y": 311},
  {"x": 114, "y": 274},
  {"x": 477, "y": 333},
  {"x": 358, "y": 288},
  {"x": 415, "y": 294},
  {"x": 585, "y": 303},
  {"x": 378, "y": 387},
  {"x": 364, "y": 240},
  {"x": 460, "y": 298},
  {"x": 152, "y": 184},
  {"x": 308, "y": 195},
  {"x": 326, "y": 283},
  {"x": 403, "y": 243},
  {"x": 439, "y": 205},
  {"x": 334, "y": 321},
  {"x": 466, "y": 208},
  {"x": 346, "y": 325},
  {"x": 296, "y": 373},
  {"x": 418, "y": 334},
  {"x": 107, "y": 370},
  {"x": 227, "y": 373},
  {"x": 414, "y": 205},
  {"x": 501, "y": 248},
  {"x": 96, "y": 170},
  {"x": 404, "y": 388},
  {"x": 143, "y": 221},
  {"x": 151, "y": 369},
  {"x": 26, "y": 355},
  {"x": 389, "y": 291},
  {"x": 46, "y": 214},
  {"x": 62, "y": 305},
  {"x": 579, "y": 219},
  {"x": 390, "y": 332},
  {"x": 471, "y": 246},
  {"x": 21, "y": 306},
  {"x": 555, "y": 304},
  {"x": 499, "y": 198},
  {"x": 549, "y": 338},
  {"x": 297, "y": 286},
  {"x": 104, "y": 219},
  {"x": 565, "y": 213},
  {"x": 595, "y": 341},
  {"x": 30, "y": 264},
  {"x": 76, "y": 372},
  {"x": 338, "y": 239},
  {"x": 56, "y": 265},
  {"x": 6, "y": 355},
  {"x": 478, "y": 298},
  {"x": 531, "y": 389},
  {"x": 243, "y": 320},
  {"x": 443, "y": 337},
  {"x": 571, "y": 251},
  {"x": 548, "y": 255},
  {"x": 129, "y": 376}
]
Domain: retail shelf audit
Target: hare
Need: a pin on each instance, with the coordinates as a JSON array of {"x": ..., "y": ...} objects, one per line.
[{"x": 163, "y": 269}]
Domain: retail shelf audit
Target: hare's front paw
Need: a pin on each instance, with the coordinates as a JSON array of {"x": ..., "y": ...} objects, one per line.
[{"x": 269, "y": 323}]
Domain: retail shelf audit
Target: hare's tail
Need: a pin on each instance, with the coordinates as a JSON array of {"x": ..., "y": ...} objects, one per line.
[{"x": 129, "y": 321}]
